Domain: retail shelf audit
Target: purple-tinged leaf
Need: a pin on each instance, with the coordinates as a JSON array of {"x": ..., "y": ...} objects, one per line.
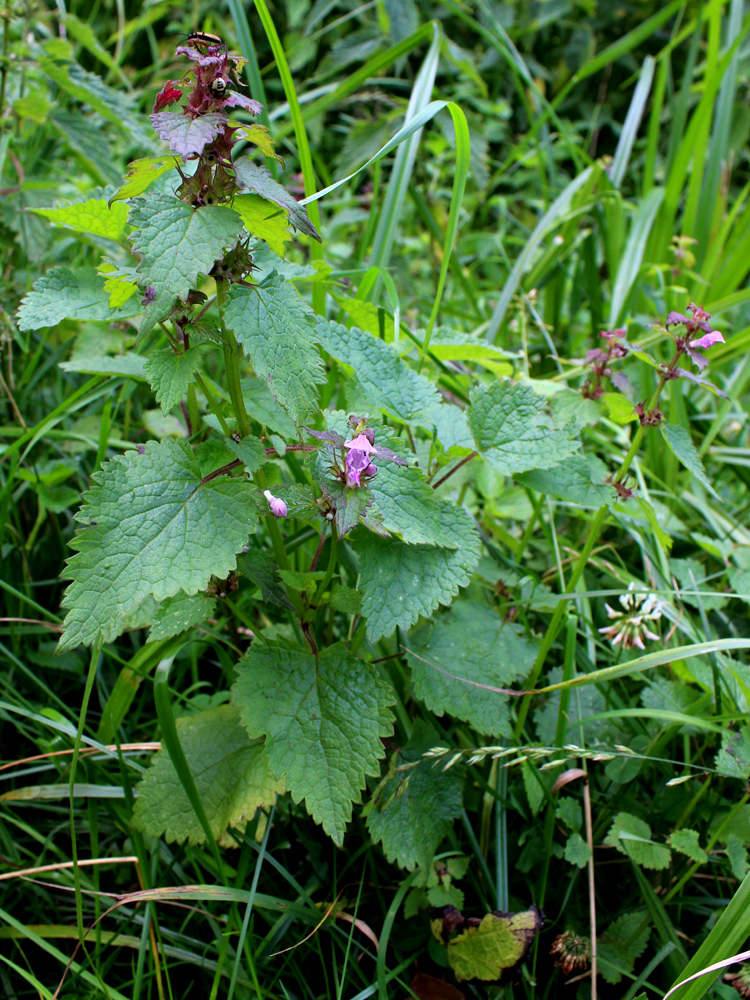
[
  {"x": 236, "y": 100},
  {"x": 188, "y": 136}
]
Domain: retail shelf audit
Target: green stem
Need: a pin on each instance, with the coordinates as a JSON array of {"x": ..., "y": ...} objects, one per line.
[
  {"x": 213, "y": 404},
  {"x": 231, "y": 362},
  {"x": 331, "y": 567}
]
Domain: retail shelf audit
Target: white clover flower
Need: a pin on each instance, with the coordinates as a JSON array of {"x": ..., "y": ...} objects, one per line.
[{"x": 630, "y": 626}]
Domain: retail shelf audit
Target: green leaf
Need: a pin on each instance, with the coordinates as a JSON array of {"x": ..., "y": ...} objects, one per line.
[
  {"x": 460, "y": 655},
  {"x": 407, "y": 505},
  {"x": 577, "y": 851},
  {"x": 623, "y": 943},
  {"x": 150, "y": 526},
  {"x": 92, "y": 215},
  {"x": 737, "y": 854},
  {"x": 691, "y": 576},
  {"x": 261, "y": 137},
  {"x": 187, "y": 136},
  {"x": 35, "y": 106},
  {"x": 170, "y": 374},
  {"x": 179, "y": 613},
  {"x": 265, "y": 220},
  {"x": 570, "y": 813},
  {"x": 451, "y": 345},
  {"x": 734, "y": 757},
  {"x": 384, "y": 378},
  {"x": 120, "y": 283},
  {"x": 142, "y": 174},
  {"x": 412, "y": 810},
  {"x": 512, "y": 432},
  {"x": 66, "y": 293},
  {"x": 258, "y": 567},
  {"x": 230, "y": 773},
  {"x": 498, "y": 944},
  {"x": 258, "y": 180},
  {"x": 681, "y": 444},
  {"x": 400, "y": 582},
  {"x": 620, "y": 409},
  {"x": 347, "y": 600},
  {"x": 276, "y": 329},
  {"x": 632, "y": 836},
  {"x": 262, "y": 406},
  {"x": 178, "y": 242},
  {"x": 249, "y": 450},
  {"x": 128, "y": 365},
  {"x": 686, "y": 842},
  {"x": 323, "y": 718},
  {"x": 571, "y": 480}
]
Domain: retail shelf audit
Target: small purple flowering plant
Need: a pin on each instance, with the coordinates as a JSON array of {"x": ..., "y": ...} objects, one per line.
[{"x": 352, "y": 458}]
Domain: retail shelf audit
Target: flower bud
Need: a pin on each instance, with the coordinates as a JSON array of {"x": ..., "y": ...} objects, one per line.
[{"x": 277, "y": 505}]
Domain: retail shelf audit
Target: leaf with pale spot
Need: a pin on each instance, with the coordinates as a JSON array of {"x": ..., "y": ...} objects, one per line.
[
  {"x": 512, "y": 432},
  {"x": 178, "y": 242},
  {"x": 150, "y": 527},
  {"x": 383, "y": 377},
  {"x": 276, "y": 329},
  {"x": 413, "y": 810},
  {"x": 187, "y": 136},
  {"x": 254, "y": 179},
  {"x": 170, "y": 374},
  {"x": 323, "y": 718},
  {"x": 67, "y": 293},
  {"x": 230, "y": 773},
  {"x": 460, "y": 656},
  {"x": 400, "y": 582}
]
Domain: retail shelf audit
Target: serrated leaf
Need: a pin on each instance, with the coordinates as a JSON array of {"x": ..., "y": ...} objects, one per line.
[
  {"x": 687, "y": 842},
  {"x": 170, "y": 374},
  {"x": 120, "y": 283},
  {"x": 323, "y": 718},
  {"x": 93, "y": 216},
  {"x": 141, "y": 175},
  {"x": 178, "y": 242},
  {"x": 384, "y": 378},
  {"x": 261, "y": 137},
  {"x": 264, "y": 220},
  {"x": 258, "y": 567},
  {"x": 250, "y": 452},
  {"x": 276, "y": 329},
  {"x": 187, "y": 136},
  {"x": 460, "y": 655},
  {"x": 263, "y": 407},
  {"x": 66, "y": 293},
  {"x": 254, "y": 179},
  {"x": 681, "y": 444},
  {"x": 571, "y": 480},
  {"x": 737, "y": 854},
  {"x": 349, "y": 506},
  {"x": 128, "y": 365},
  {"x": 400, "y": 582},
  {"x": 451, "y": 426},
  {"x": 569, "y": 811},
  {"x": 577, "y": 851},
  {"x": 407, "y": 505},
  {"x": 632, "y": 836},
  {"x": 230, "y": 774},
  {"x": 150, "y": 526},
  {"x": 179, "y": 613},
  {"x": 622, "y": 944},
  {"x": 734, "y": 757},
  {"x": 496, "y": 946},
  {"x": 413, "y": 810},
  {"x": 512, "y": 432}
]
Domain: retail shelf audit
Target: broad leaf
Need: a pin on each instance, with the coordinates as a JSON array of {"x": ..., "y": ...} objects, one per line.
[
  {"x": 622, "y": 944},
  {"x": 276, "y": 329},
  {"x": 407, "y": 505},
  {"x": 187, "y": 136},
  {"x": 460, "y": 656},
  {"x": 120, "y": 283},
  {"x": 687, "y": 842},
  {"x": 513, "y": 433},
  {"x": 249, "y": 450},
  {"x": 179, "y": 613},
  {"x": 323, "y": 718},
  {"x": 577, "y": 851},
  {"x": 230, "y": 774},
  {"x": 142, "y": 174},
  {"x": 66, "y": 293},
  {"x": 128, "y": 365},
  {"x": 632, "y": 836},
  {"x": 681, "y": 444},
  {"x": 265, "y": 220},
  {"x": 384, "y": 378},
  {"x": 170, "y": 374},
  {"x": 412, "y": 810},
  {"x": 258, "y": 180},
  {"x": 92, "y": 215},
  {"x": 150, "y": 526},
  {"x": 258, "y": 567},
  {"x": 491, "y": 949},
  {"x": 178, "y": 242},
  {"x": 571, "y": 480},
  {"x": 400, "y": 582}
]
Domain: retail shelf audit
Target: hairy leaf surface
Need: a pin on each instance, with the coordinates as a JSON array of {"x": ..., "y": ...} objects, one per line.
[
  {"x": 67, "y": 293},
  {"x": 170, "y": 374}
]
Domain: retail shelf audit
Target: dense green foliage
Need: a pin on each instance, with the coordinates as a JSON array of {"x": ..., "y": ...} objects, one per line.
[{"x": 307, "y": 421}]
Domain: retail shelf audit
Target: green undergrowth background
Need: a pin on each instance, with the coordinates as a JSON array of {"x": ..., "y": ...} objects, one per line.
[{"x": 606, "y": 183}]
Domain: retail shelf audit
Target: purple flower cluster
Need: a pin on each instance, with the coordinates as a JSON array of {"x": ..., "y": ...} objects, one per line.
[
  {"x": 358, "y": 461},
  {"x": 600, "y": 359},
  {"x": 353, "y": 457},
  {"x": 688, "y": 342}
]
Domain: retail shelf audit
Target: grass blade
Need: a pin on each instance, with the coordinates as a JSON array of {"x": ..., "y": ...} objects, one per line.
[
  {"x": 632, "y": 256},
  {"x": 632, "y": 122}
]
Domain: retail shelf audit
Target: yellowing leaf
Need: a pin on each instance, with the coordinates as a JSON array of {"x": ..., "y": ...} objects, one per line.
[
  {"x": 260, "y": 135},
  {"x": 264, "y": 219},
  {"x": 490, "y": 951},
  {"x": 142, "y": 174}
]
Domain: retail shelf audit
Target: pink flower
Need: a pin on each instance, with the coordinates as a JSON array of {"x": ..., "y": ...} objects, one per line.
[
  {"x": 358, "y": 459},
  {"x": 277, "y": 505},
  {"x": 708, "y": 340}
]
